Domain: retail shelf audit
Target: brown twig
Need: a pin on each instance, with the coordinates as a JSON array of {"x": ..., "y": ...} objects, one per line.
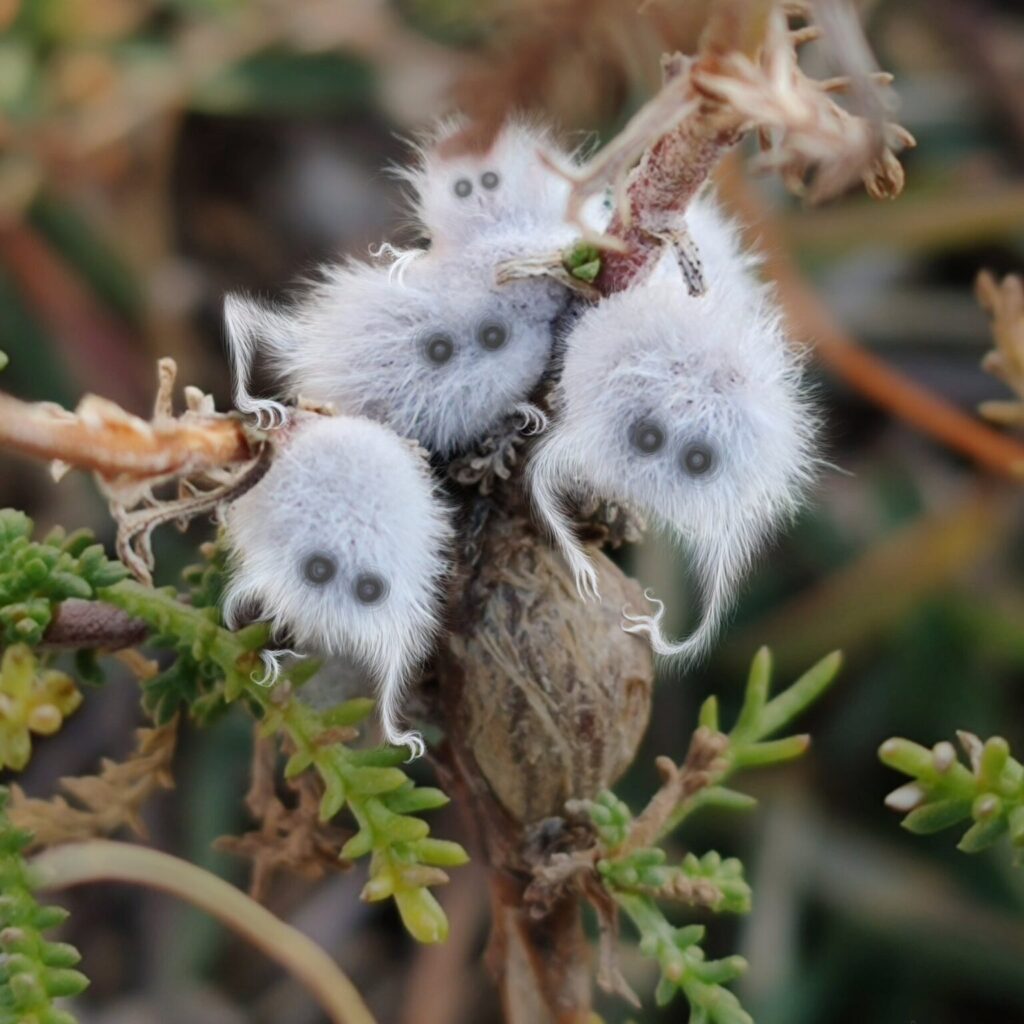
[
  {"x": 678, "y": 783},
  {"x": 90, "y": 625},
  {"x": 1004, "y": 302},
  {"x": 288, "y": 838},
  {"x": 102, "y": 437},
  {"x": 745, "y": 76}
]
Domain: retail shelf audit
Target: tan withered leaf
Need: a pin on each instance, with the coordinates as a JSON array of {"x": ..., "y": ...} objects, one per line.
[
  {"x": 105, "y": 803},
  {"x": 288, "y": 838},
  {"x": 1004, "y": 302}
]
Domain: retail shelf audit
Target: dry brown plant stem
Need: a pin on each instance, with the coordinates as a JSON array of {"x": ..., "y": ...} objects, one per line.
[{"x": 103, "y": 438}]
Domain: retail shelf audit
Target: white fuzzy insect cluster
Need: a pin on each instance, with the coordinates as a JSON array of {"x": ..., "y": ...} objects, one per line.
[
  {"x": 342, "y": 544},
  {"x": 425, "y": 346},
  {"x": 690, "y": 408}
]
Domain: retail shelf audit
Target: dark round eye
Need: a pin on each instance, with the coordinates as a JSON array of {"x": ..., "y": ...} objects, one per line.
[
  {"x": 439, "y": 348},
  {"x": 463, "y": 187},
  {"x": 698, "y": 458},
  {"x": 490, "y": 180},
  {"x": 492, "y": 335},
  {"x": 369, "y": 588},
  {"x": 319, "y": 569},
  {"x": 647, "y": 437}
]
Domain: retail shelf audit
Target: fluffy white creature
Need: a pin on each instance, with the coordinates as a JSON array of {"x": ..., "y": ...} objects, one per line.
[
  {"x": 458, "y": 197},
  {"x": 690, "y": 408},
  {"x": 430, "y": 345},
  {"x": 343, "y": 546}
]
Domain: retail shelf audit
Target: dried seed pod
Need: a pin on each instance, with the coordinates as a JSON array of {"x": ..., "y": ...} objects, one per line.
[
  {"x": 546, "y": 694},
  {"x": 342, "y": 544}
]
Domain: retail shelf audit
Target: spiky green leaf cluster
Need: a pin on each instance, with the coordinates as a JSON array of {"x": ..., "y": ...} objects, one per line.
[
  {"x": 684, "y": 968},
  {"x": 35, "y": 576},
  {"x": 191, "y": 682},
  {"x": 638, "y": 877},
  {"x": 646, "y": 870},
  {"x": 988, "y": 791},
  {"x": 405, "y": 858},
  {"x": 34, "y": 971},
  {"x": 405, "y": 861},
  {"x": 583, "y": 261}
]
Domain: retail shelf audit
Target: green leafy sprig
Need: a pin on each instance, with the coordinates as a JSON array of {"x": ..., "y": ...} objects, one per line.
[
  {"x": 215, "y": 667},
  {"x": 405, "y": 860},
  {"x": 35, "y": 576},
  {"x": 34, "y": 971},
  {"x": 987, "y": 791},
  {"x": 635, "y": 870}
]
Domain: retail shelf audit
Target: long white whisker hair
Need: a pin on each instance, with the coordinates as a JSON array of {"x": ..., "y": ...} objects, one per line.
[
  {"x": 392, "y": 679},
  {"x": 547, "y": 474},
  {"x": 718, "y": 563},
  {"x": 250, "y": 326}
]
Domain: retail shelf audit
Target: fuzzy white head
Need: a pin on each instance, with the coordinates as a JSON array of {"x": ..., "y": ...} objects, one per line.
[
  {"x": 431, "y": 346},
  {"x": 459, "y": 197},
  {"x": 342, "y": 544},
  {"x": 692, "y": 410}
]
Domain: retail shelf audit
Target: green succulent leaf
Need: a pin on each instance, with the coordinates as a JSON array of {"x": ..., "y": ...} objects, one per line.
[
  {"x": 33, "y": 970},
  {"x": 986, "y": 792}
]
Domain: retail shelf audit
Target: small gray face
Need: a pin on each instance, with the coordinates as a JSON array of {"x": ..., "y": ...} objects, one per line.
[
  {"x": 368, "y": 587},
  {"x": 697, "y": 457},
  {"x": 440, "y": 346}
]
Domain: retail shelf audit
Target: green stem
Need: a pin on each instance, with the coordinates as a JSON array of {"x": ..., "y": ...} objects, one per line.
[{"x": 99, "y": 860}]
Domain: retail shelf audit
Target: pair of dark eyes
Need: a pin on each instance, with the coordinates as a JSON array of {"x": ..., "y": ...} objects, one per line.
[
  {"x": 491, "y": 335},
  {"x": 648, "y": 438},
  {"x": 463, "y": 187},
  {"x": 367, "y": 588}
]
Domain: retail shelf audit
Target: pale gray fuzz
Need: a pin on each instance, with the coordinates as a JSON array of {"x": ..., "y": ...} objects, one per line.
[
  {"x": 457, "y": 198},
  {"x": 691, "y": 409},
  {"x": 343, "y": 545},
  {"x": 430, "y": 346}
]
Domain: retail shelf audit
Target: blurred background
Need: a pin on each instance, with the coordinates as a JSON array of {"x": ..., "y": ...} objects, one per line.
[{"x": 157, "y": 153}]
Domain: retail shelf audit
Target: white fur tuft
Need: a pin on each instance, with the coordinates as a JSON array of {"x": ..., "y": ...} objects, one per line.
[
  {"x": 714, "y": 371},
  {"x": 353, "y": 491},
  {"x": 528, "y": 197}
]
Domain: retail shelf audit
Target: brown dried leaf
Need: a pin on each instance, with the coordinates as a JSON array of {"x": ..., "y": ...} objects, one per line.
[
  {"x": 1004, "y": 302},
  {"x": 105, "y": 803},
  {"x": 288, "y": 838}
]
